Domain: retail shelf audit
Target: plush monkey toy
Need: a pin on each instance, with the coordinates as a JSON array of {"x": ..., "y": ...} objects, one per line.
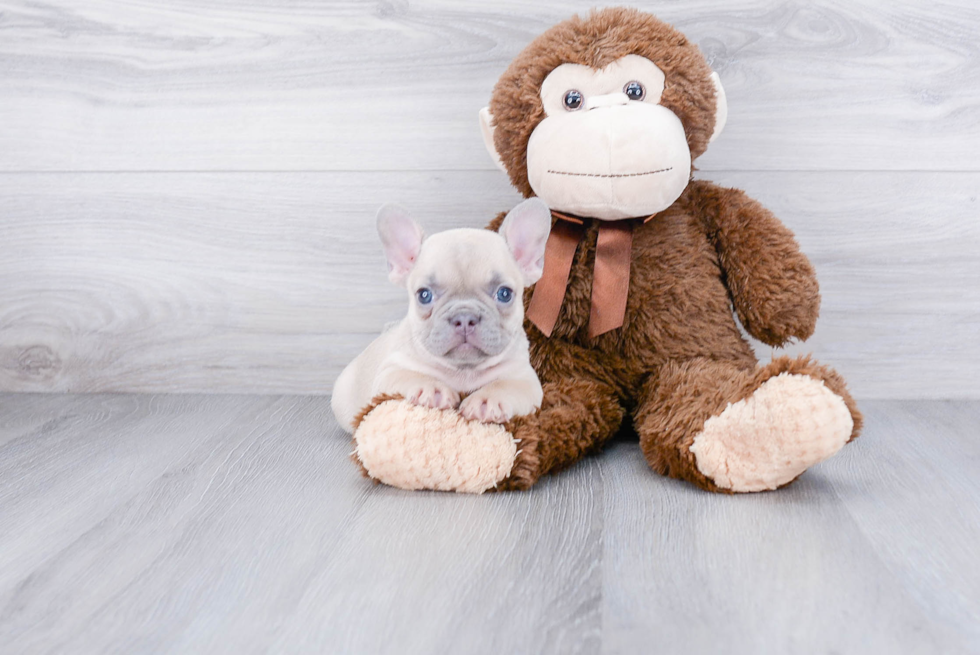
[{"x": 633, "y": 321}]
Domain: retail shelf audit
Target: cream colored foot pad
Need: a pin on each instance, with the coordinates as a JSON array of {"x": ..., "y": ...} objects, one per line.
[
  {"x": 790, "y": 423},
  {"x": 413, "y": 447}
]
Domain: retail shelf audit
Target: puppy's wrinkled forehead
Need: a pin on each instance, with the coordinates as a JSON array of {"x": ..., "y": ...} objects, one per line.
[{"x": 465, "y": 260}]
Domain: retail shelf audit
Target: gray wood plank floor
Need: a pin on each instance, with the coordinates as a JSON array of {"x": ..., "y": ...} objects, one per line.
[{"x": 237, "y": 524}]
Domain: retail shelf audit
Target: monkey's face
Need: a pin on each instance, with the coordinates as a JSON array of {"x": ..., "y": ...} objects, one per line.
[
  {"x": 607, "y": 148},
  {"x": 602, "y": 116}
]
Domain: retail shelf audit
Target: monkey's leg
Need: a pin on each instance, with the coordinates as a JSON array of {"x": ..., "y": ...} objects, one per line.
[
  {"x": 729, "y": 429},
  {"x": 414, "y": 447},
  {"x": 577, "y": 416}
]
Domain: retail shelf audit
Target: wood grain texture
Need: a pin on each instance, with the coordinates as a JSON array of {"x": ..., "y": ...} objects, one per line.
[
  {"x": 392, "y": 85},
  {"x": 252, "y": 266},
  {"x": 437, "y": 573},
  {"x": 189, "y": 282},
  {"x": 237, "y": 524},
  {"x": 22, "y": 415},
  {"x": 270, "y": 283},
  {"x": 871, "y": 551},
  {"x": 932, "y": 452}
]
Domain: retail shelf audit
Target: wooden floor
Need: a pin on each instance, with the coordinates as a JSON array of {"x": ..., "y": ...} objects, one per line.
[{"x": 237, "y": 524}]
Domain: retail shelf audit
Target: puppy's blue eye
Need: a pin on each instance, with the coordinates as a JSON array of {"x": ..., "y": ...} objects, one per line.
[
  {"x": 505, "y": 294},
  {"x": 424, "y": 295}
]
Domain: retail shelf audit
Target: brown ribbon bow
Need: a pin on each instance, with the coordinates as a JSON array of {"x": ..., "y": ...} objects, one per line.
[{"x": 610, "y": 280}]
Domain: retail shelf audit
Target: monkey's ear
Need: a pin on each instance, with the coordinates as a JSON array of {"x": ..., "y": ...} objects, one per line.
[
  {"x": 402, "y": 239},
  {"x": 486, "y": 118},
  {"x": 721, "y": 107},
  {"x": 525, "y": 229}
]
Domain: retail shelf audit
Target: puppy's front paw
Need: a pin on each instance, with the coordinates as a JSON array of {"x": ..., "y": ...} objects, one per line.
[
  {"x": 434, "y": 395},
  {"x": 495, "y": 404}
]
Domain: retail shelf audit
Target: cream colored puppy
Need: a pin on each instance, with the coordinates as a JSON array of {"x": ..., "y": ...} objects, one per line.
[{"x": 464, "y": 332}]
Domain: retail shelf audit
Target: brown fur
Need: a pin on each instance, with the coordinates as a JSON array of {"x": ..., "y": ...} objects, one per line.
[
  {"x": 676, "y": 403},
  {"x": 577, "y": 416},
  {"x": 679, "y": 357}
]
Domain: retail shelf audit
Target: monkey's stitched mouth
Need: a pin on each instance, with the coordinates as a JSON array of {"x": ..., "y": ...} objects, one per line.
[{"x": 662, "y": 170}]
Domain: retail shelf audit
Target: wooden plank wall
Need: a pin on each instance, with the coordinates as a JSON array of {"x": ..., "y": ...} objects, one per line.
[{"x": 187, "y": 188}]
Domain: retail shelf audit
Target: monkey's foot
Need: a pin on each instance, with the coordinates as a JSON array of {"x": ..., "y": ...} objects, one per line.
[
  {"x": 413, "y": 447},
  {"x": 788, "y": 424}
]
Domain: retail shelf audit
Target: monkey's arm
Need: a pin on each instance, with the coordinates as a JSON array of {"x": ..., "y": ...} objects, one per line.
[{"x": 773, "y": 285}]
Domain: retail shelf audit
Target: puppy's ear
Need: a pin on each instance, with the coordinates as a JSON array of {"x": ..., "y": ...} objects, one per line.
[
  {"x": 402, "y": 240},
  {"x": 526, "y": 229}
]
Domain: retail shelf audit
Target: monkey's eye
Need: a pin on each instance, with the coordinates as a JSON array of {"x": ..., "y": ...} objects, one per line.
[
  {"x": 573, "y": 100},
  {"x": 424, "y": 295},
  {"x": 505, "y": 294},
  {"x": 634, "y": 90}
]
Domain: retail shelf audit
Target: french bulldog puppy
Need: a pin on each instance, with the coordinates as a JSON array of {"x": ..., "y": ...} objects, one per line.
[{"x": 464, "y": 332}]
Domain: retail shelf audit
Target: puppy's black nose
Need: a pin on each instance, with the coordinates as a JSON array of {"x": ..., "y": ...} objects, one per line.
[{"x": 464, "y": 323}]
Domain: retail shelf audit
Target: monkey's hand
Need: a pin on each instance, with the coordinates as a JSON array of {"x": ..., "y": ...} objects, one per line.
[{"x": 773, "y": 285}]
